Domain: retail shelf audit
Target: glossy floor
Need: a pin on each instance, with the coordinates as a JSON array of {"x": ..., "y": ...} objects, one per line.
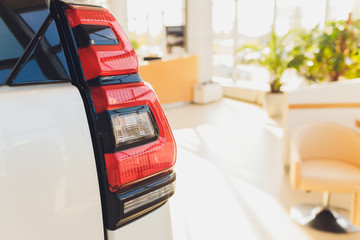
[{"x": 230, "y": 180}]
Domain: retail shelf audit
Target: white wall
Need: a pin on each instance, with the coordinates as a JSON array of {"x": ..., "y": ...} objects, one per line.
[
  {"x": 199, "y": 35},
  {"x": 117, "y": 7},
  {"x": 119, "y": 10}
]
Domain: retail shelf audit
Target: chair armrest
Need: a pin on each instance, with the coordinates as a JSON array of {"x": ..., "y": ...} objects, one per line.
[
  {"x": 355, "y": 208},
  {"x": 295, "y": 166}
]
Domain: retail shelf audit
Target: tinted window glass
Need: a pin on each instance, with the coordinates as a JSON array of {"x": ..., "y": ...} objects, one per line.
[
  {"x": 102, "y": 36},
  {"x": 19, "y": 21},
  {"x": 10, "y": 46},
  {"x": 35, "y": 22},
  {"x": 10, "y": 51},
  {"x": 86, "y": 35},
  {"x": 47, "y": 63}
]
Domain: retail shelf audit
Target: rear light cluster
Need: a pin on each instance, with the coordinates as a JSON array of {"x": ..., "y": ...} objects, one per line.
[
  {"x": 144, "y": 128},
  {"x": 135, "y": 203},
  {"x": 103, "y": 47},
  {"x": 138, "y": 144}
]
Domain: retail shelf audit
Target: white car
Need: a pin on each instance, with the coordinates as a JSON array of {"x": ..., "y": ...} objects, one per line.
[{"x": 86, "y": 151}]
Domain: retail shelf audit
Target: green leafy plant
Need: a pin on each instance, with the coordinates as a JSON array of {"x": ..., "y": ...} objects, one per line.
[
  {"x": 274, "y": 56},
  {"x": 327, "y": 54},
  {"x": 134, "y": 43},
  {"x": 303, "y": 51}
]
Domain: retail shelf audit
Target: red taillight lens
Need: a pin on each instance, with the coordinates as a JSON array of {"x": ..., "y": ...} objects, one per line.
[
  {"x": 101, "y": 59},
  {"x": 138, "y": 162},
  {"x": 131, "y": 136}
]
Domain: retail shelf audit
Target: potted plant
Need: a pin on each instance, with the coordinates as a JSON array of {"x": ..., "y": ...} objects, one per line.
[
  {"x": 302, "y": 55},
  {"x": 275, "y": 57},
  {"x": 328, "y": 54}
]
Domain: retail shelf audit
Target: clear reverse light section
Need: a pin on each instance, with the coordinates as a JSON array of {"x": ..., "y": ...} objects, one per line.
[
  {"x": 148, "y": 198},
  {"x": 143, "y": 161},
  {"x": 132, "y": 127}
]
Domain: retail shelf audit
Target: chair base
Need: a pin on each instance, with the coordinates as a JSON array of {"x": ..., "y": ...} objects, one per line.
[{"x": 321, "y": 218}]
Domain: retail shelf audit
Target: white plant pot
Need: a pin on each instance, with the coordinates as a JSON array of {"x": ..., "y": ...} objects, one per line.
[
  {"x": 273, "y": 104},
  {"x": 207, "y": 92}
]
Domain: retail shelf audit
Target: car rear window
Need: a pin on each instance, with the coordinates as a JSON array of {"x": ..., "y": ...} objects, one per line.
[
  {"x": 19, "y": 22},
  {"x": 47, "y": 62},
  {"x": 11, "y": 50}
]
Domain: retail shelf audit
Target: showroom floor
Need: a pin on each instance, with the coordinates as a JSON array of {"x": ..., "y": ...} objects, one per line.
[{"x": 230, "y": 180}]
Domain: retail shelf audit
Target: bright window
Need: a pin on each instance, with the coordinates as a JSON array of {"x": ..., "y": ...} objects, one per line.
[{"x": 147, "y": 21}]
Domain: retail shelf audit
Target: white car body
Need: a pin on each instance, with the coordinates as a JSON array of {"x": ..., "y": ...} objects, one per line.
[{"x": 49, "y": 177}]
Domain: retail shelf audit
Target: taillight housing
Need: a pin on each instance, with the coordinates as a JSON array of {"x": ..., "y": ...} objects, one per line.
[
  {"x": 103, "y": 47},
  {"x": 146, "y": 146},
  {"x": 134, "y": 145}
]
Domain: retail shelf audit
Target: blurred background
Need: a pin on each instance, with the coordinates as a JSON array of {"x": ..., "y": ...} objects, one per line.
[{"x": 228, "y": 25}]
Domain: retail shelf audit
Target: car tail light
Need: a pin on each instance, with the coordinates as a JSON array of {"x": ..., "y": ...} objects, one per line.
[
  {"x": 103, "y": 47},
  {"x": 148, "y": 198},
  {"x": 138, "y": 149},
  {"x": 139, "y": 142}
]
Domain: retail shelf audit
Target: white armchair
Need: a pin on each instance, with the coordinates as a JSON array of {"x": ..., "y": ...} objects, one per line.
[{"x": 324, "y": 157}]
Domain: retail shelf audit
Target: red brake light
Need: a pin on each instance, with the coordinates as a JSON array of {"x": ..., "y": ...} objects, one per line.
[
  {"x": 136, "y": 163},
  {"x": 102, "y": 60}
]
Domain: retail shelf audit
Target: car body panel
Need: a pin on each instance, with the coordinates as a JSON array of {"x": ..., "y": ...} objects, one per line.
[
  {"x": 154, "y": 226},
  {"x": 48, "y": 179}
]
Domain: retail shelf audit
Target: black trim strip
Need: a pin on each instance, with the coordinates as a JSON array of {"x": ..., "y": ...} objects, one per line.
[
  {"x": 22, "y": 84},
  {"x": 29, "y": 49},
  {"x": 86, "y": 5},
  {"x": 140, "y": 190},
  {"x": 111, "y": 80},
  {"x": 8, "y": 63}
]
